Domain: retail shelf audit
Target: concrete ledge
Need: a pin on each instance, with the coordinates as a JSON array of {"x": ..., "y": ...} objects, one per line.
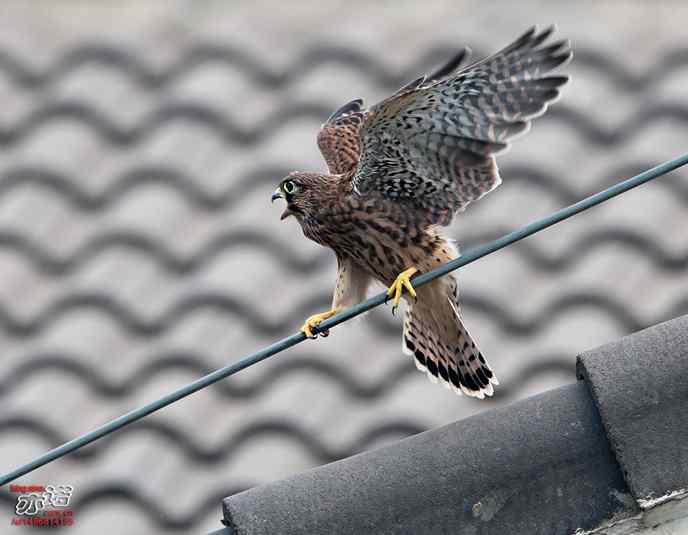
[
  {"x": 640, "y": 386},
  {"x": 541, "y": 466}
]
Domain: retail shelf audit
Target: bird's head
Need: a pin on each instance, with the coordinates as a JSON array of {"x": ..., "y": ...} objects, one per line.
[{"x": 302, "y": 192}]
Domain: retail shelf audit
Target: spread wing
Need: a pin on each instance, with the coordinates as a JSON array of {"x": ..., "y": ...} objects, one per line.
[
  {"x": 339, "y": 138},
  {"x": 433, "y": 145}
]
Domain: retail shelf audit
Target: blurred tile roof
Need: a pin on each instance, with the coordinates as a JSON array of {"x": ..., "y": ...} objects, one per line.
[{"x": 138, "y": 150}]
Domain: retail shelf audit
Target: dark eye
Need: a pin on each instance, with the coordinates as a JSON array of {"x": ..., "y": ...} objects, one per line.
[{"x": 290, "y": 187}]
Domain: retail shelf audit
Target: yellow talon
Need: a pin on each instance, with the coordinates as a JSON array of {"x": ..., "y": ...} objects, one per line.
[
  {"x": 402, "y": 281},
  {"x": 315, "y": 320}
]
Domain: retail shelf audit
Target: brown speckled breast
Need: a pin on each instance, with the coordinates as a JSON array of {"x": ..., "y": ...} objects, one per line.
[{"x": 382, "y": 237}]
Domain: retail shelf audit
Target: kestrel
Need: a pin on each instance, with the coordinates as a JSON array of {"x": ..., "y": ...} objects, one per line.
[{"x": 400, "y": 170}]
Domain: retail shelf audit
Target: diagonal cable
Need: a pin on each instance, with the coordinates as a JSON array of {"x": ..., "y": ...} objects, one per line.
[{"x": 285, "y": 343}]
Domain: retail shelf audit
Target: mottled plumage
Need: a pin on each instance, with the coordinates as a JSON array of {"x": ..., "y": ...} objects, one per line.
[{"x": 402, "y": 169}]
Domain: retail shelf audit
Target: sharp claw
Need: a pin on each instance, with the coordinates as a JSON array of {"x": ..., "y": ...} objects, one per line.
[
  {"x": 397, "y": 298},
  {"x": 306, "y": 329},
  {"x": 313, "y": 323},
  {"x": 397, "y": 288}
]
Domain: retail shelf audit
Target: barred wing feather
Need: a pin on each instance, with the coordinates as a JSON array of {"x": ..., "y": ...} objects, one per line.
[{"x": 432, "y": 144}]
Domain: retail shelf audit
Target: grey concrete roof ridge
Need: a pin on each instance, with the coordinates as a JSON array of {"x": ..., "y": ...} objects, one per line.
[
  {"x": 640, "y": 387},
  {"x": 594, "y": 453}
]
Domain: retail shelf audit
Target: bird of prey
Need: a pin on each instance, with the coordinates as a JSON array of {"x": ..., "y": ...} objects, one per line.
[{"x": 400, "y": 170}]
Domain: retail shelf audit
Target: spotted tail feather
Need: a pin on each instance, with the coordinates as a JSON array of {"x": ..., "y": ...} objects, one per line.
[{"x": 442, "y": 348}]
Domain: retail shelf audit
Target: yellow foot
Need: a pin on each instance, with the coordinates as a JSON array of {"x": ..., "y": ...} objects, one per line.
[
  {"x": 315, "y": 320},
  {"x": 402, "y": 281}
]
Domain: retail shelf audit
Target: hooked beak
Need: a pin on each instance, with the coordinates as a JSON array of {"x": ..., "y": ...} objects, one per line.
[
  {"x": 277, "y": 194},
  {"x": 286, "y": 213}
]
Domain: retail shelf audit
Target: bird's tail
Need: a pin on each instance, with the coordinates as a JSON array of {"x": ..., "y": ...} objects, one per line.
[{"x": 441, "y": 346}]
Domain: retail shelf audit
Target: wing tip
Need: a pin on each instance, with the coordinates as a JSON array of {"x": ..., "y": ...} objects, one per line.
[
  {"x": 452, "y": 65},
  {"x": 353, "y": 106}
]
